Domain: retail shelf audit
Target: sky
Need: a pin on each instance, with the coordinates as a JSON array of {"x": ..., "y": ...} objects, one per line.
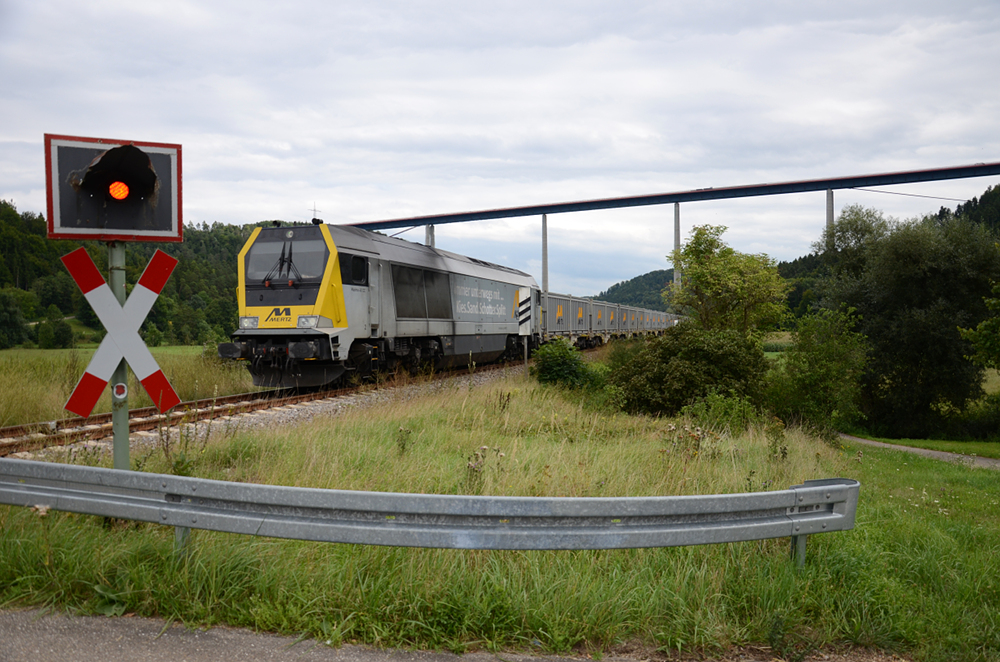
[{"x": 378, "y": 110}]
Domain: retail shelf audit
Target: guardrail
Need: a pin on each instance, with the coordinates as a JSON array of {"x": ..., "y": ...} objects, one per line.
[{"x": 444, "y": 521}]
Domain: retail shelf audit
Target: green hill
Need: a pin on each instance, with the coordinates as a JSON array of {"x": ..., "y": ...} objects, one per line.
[{"x": 642, "y": 291}]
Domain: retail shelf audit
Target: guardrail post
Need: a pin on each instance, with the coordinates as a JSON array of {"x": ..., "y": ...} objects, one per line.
[
  {"x": 181, "y": 536},
  {"x": 799, "y": 550}
]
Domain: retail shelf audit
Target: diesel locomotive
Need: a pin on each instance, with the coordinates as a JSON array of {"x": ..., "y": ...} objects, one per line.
[{"x": 320, "y": 302}]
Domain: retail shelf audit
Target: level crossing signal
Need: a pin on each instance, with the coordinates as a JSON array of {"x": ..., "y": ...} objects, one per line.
[
  {"x": 113, "y": 190},
  {"x": 122, "y": 339}
]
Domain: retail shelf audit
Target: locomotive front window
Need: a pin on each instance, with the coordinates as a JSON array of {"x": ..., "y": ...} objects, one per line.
[
  {"x": 310, "y": 257},
  {"x": 279, "y": 258}
]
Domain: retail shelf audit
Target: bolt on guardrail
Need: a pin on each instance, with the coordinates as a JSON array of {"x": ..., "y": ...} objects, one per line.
[{"x": 443, "y": 521}]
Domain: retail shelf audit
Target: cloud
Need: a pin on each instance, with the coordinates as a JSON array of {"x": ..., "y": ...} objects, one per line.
[{"x": 393, "y": 109}]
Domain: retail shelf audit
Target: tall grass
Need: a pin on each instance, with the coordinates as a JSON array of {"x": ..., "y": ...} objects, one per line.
[
  {"x": 920, "y": 573},
  {"x": 35, "y": 384}
]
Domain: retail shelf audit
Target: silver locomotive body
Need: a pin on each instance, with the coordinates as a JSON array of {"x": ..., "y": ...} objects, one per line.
[{"x": 321, "y": 302}]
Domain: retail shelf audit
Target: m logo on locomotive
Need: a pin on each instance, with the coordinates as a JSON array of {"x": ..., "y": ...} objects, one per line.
[{"x": 279, "y": 315}]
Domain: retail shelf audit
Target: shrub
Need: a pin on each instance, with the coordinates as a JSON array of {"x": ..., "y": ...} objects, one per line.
[
  {"x": 12, "y": 328},
  {"x": 686, "y": 364},
  {"x": 818, "y": 382},
  {"x": 724, "y": 414},
  {"x": 55, "y": 335},
  {"x": 558, "y": 362}
]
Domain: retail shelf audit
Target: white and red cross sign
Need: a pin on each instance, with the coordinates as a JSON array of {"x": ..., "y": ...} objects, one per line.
[{"x": 122, "y": 324}]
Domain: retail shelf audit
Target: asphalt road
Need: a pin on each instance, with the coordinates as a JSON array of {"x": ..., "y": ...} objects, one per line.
[{"x": 34, "y": 636}]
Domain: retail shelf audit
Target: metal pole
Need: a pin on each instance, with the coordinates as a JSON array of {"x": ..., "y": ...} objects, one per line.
[
  {"x": 829, "y": 219},
  {"x": 119, "y": 405},
  {"x": 799, "y": 550},
  {"x": 181, "y": 536},
  {"x": 677, "y": 242},
  {"x": 429, "y": 235},
  {"x": 545, "y": 253},
  {"x": 545, "y": 272},
  {"x": 527, "y": 372}
]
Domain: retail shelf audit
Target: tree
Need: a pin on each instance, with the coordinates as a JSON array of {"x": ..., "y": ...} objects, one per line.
[
  {"x": 817, "y": 383},
  {"x": 985, "y": 338},
  {"x": 12, "y": 328},
  {"x": 724, "y": 289},
  {"x": 914, "y": 284},
  {"x": 845, "y": 246}
]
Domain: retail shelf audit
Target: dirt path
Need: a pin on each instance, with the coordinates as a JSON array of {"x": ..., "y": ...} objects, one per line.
[{"x": 968, "y": 460}]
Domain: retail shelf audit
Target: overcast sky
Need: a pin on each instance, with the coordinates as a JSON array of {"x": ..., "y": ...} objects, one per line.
[{"x": 376, "y": 110}]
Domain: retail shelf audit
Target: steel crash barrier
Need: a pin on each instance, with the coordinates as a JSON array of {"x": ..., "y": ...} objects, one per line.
[{"x": 443, "y": 521}]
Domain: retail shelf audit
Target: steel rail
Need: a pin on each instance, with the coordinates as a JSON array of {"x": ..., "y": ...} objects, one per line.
[
  {"x": 35, "y": 436},
  {"x": 424, "y": 520}
]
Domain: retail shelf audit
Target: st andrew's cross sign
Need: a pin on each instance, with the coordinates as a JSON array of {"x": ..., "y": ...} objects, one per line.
[{"x": 122, "y": 324}]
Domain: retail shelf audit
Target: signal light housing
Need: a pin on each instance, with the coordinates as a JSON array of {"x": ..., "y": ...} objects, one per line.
[{"x": 113, "y": 190}]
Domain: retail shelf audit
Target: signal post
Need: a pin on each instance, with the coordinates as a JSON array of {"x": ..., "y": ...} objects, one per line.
[{"x": 116, "y": 191}]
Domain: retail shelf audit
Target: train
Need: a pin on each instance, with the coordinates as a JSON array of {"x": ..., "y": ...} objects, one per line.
[{"x": 322, "y": 303}]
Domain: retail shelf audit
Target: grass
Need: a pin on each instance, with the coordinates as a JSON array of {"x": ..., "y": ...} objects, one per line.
[
  {"x": 36, "y": 383},
  {"x": 919, "y": 574}
]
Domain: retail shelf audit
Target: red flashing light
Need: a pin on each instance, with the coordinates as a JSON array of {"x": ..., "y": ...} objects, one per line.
[{"x": 118, "y": 190}]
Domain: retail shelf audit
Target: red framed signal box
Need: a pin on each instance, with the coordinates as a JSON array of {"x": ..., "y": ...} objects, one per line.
[{"x": 113, "y": 190}]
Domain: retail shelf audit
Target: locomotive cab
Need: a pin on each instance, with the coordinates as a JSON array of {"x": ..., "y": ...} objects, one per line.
[{"x": 292, "y": 309}]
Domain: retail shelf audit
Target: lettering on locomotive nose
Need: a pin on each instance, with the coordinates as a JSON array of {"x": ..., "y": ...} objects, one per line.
[{"x": 279, "y": 315}]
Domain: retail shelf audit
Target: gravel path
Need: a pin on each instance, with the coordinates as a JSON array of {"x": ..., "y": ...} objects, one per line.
[{"x": 968, "y": 460}]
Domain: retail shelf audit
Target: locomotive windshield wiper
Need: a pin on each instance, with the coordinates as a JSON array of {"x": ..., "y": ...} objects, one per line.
[{"x": 282, "y": 266}]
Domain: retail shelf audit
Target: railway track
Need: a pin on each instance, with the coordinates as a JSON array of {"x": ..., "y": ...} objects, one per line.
[{"x": 36, "y": 436}]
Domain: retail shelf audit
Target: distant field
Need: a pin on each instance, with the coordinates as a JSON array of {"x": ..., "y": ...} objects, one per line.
[
  {"x": 992, "y": 384},
  {"x": 36, "y": 383}
]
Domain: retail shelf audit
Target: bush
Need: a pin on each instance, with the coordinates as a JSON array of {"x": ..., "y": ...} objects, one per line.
[
  {"x": 13, "y": 330},
  {"x": 558, "y": 362},
  {"x": 817, "y": 384},
  {"x": 687, "y": 364},
  {"x": 55, "y": 335},
  {"x": 724, "y": 414}
]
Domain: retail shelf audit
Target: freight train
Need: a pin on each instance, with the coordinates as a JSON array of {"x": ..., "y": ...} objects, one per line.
[{"x": 322, "y": 302}]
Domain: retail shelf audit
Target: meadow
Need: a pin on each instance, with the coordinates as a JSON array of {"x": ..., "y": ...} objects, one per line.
[
  {"x": 36, "y": 383},
  {"x": 919, "y": 574}
]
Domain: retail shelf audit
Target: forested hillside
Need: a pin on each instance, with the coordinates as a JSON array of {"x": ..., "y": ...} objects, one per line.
[
  {"x": 197, "y": 305},
  {"x": 644, "y": 291}
]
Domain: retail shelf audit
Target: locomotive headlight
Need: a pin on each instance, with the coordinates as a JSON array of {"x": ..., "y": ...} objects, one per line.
[
  {"x": 308, "y": 321},
  {"x": 249, "y": 322}
]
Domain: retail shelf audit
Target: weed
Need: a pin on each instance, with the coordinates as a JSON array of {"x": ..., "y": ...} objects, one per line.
[
  {"x": 785, "y": 643},
  {"x": 502, "y": 402},
  {"x": 479, "y": 464},
  {"x": 182, "y": 455},
  {"x": 774, "y": 431},
  {"x": 404, "y": 440}
]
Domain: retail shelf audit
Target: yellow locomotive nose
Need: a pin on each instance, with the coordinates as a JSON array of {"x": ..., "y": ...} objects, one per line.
[{"x": 291, "y": 307}]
